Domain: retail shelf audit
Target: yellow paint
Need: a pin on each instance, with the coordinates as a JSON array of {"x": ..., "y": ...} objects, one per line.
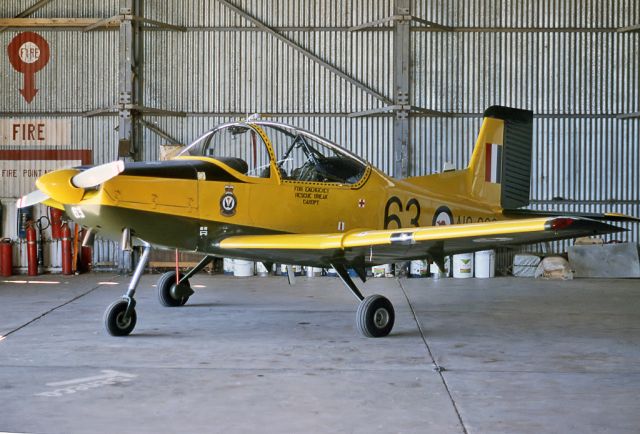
[
  {"x": 316, "y": 215},
  {"x": 57, "y": 185},
  {"x": 382, "y": 237},
  {"x": 301, "y": 206},
  {"x": 54, "y": 204}
]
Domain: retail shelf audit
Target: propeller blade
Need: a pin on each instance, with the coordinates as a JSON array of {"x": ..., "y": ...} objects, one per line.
[
  {"x": 98, "y": 174},
  {"x": 32, "y": 198}
]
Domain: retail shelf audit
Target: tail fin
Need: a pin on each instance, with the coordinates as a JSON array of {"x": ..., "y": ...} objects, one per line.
[{"x": 500, "y": 166}]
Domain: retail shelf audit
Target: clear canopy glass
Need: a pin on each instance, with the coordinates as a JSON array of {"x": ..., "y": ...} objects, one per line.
[{"x": 298, "y": 155}]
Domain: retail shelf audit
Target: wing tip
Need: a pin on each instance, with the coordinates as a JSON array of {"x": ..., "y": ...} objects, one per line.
[{"x": 559, "y": 224}]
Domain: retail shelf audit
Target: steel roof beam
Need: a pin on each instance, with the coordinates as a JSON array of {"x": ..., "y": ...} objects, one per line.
[
  {"x": 156, "y": 129},
  {"x": 262, "y": 26}
]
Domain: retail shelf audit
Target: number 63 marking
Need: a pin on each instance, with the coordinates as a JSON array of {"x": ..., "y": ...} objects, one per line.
[{"x": 411, "y": 203}]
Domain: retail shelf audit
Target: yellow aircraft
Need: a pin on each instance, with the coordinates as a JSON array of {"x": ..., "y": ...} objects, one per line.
[{"x": 271, "y": 192}]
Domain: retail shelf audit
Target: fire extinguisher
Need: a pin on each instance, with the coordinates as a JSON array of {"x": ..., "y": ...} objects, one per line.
[
  {"x": 65, "y": 233},
  {"x": 55, "y": 218},
  {"x": 6, "y": 266},
  {"x": 41, "y": 227},
  {"x": 32, "y": 250},
  {"x": 25, "y": 215}
]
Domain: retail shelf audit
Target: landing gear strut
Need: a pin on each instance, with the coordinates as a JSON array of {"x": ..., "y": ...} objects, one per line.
[
  {"x": 375, "y": 315},
  {"x": 120, "y": 317}
]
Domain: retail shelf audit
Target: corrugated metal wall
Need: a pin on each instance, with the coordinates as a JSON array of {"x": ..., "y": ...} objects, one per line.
[
  {"x": 81, "y": 75},
  {"x": 575, "y": 79}
]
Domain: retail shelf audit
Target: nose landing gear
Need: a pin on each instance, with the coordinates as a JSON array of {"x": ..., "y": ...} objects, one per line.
[{"x": 120, "y": 317}]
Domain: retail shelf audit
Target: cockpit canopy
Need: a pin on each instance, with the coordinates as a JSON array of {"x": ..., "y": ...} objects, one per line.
[{"x": 255, "y": 148}]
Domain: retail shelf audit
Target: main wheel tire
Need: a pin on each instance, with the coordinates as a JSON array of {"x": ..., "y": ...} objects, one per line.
[
  {"x": 165, "y": 285},
  {"x": 114, "y": 319},
  {"x": 375, "y": 316}
]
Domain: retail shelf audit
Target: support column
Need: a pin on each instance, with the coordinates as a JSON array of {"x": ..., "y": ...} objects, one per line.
[
  {"x": 130, "y": 80},
  {"x": 401, "y": 77}
]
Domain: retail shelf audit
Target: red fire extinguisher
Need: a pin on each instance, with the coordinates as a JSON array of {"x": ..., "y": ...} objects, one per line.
[
  {"x": 6, "y": 255},
  {"x": 65, "y": 232},
  {"x": 55, "y": 217},
  {"x": 32, "y": 250}
]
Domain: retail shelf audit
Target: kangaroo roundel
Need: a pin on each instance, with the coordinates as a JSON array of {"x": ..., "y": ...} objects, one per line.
[{"x": 442, "y": 217}]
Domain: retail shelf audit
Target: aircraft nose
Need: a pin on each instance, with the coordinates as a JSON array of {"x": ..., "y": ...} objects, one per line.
[
  {"x": 68, "y": 185},
  {"x": 58, "y": 186}
]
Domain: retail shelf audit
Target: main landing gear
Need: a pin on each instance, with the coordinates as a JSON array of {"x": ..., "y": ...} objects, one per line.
[
  {"x": 375, "y": 315},
  {"x": 120, "y": 317},
  {"x": 172, "y": 293}
]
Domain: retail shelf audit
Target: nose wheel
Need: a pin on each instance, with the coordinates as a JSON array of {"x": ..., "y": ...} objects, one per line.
[
  {"x": 120, "y": 317},
  {"x": 117, "y": 320}
]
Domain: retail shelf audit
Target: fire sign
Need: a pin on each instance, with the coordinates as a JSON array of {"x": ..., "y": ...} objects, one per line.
[{"x": 28, "y": 54}]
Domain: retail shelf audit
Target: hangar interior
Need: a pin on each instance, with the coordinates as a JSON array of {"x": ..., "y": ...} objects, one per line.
[{"x": 402, "y": 84}]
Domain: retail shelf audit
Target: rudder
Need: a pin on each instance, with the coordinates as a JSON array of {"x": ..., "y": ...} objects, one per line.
[{"x": 500, "y": 166}]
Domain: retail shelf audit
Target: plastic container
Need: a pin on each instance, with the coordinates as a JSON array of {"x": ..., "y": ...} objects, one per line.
[
  {"x": 261, "y": 270},
  {"x": 463, "y": 265},
  {"x": 485, "y": 264},
  {"x": 418, "y": 268},
  {"x": 297, "y": 270},
  {"x": 227, "y": 266},
  {"x": 242, "y": 268},
  {"x": 313, "y": 271},
  {"x": 436, "y": 272},
  {"x": 383, "y": 270}
]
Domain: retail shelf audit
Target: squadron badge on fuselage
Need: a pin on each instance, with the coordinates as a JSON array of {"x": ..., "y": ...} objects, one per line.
[{"x": 228, "y": 202}]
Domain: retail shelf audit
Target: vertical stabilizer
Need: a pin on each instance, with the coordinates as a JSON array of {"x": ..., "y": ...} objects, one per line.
[{"x": 500, "y": 166}]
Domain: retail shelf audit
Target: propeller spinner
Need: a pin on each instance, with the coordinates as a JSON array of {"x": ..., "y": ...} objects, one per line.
[{"x": 86, "y": 179}]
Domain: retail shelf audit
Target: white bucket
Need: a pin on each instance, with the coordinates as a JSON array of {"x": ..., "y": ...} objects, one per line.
[
  {"x": 436, "y": 272},
  {"x": 418, "y": 268},
  {"x": 242, "y": 268},
  {"x": 463, "y": 265},
  {"x": 485, "y": 264},
  {"x": 261, "y": 270},
  {"x": 313, "y": 271},
  {"x": 383, "y": 270},
  {"x": 227, "y": 266}
]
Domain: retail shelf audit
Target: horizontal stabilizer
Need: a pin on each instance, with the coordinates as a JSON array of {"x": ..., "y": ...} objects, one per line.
[{"x": 529, "y": 213}]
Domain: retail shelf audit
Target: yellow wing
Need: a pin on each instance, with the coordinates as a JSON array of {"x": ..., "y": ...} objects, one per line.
[{"x": 368, "y": 247}]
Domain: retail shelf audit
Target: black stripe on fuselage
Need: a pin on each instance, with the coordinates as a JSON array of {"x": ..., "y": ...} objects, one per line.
[{"x": 179, "y": 169}]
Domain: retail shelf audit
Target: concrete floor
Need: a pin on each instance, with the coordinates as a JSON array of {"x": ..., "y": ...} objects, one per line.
[{"x": 255, "y": 355}]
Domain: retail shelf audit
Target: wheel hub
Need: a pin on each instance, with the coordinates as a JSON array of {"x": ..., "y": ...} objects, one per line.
[
  {"x": 178, "y": 292},
  {"x": 381, "y": 317},
  {"x": 122, "y": 321}
]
